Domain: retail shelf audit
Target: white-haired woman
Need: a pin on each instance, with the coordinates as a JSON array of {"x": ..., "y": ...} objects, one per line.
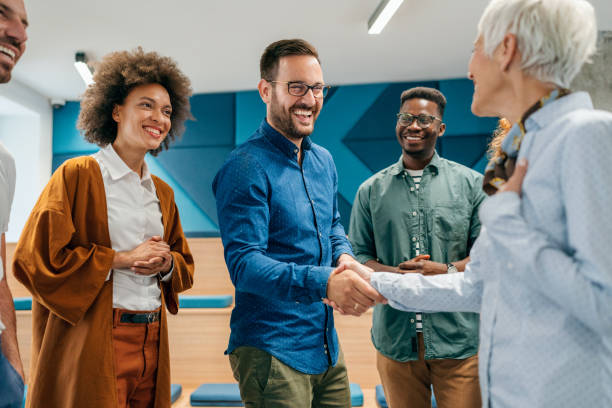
[{"x": 540, "y": 273}]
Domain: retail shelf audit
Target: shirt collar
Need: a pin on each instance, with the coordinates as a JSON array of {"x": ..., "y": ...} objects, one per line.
[
  {"x": 116, "y": 166},
  {"x": 556, "y": 109},
  {"x": 434, "y": 164},
  {"x": 281, "y": 142}
]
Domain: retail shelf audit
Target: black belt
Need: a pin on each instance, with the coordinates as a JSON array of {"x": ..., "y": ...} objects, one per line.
[{"x": 148, "y": 317}]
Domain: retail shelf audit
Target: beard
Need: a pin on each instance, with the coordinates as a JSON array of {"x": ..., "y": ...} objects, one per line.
[
  {"x": 5, "y": 75},
  {"x": 284, "y": 120}
]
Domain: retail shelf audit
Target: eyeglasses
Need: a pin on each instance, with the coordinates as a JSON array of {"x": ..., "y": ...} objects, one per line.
[
  {"x": 301, "y": 89},
  {"x": 424, "y": 121}
]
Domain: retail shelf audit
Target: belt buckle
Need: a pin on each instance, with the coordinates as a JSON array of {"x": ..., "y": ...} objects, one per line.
[{"x": 150, "y": 317}]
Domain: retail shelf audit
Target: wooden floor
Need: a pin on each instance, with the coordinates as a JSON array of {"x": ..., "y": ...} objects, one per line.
[{"x": 369, "y": 399}]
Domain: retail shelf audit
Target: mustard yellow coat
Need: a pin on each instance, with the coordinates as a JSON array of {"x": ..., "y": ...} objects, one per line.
[{"x": 63, "y": 257}]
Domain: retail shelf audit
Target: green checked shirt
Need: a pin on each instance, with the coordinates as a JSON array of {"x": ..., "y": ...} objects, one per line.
[{"x": 392, "y": 221}]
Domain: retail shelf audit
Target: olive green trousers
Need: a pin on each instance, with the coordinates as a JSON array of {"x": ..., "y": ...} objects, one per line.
[{"x": 266, "y": 382}]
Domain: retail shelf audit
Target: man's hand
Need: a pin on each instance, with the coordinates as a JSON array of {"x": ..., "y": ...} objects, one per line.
[
  {"x": 421, "y": 264},
  {"x": 349, "y": 292},
  {"x": 515, "y": 182},
  {"x": 149, "y": 258},
  {"x": 362, "y": 270}
]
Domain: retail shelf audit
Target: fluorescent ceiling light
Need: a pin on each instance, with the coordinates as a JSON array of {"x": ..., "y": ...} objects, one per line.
[
  {"x": 382, "y": 15},
  {"x": 81, "y": 66}
]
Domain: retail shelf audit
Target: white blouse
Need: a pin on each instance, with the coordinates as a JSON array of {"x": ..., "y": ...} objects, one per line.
[{"x": 134, "y": 216}]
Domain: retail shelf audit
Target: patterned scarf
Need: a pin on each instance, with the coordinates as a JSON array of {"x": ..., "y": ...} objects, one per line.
[{"x": 500, "y": 168}]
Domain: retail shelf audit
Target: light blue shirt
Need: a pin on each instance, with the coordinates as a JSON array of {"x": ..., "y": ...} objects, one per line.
[{"x": 541, "y": 270}]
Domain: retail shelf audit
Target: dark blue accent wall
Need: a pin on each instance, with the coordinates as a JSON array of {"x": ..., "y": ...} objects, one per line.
[{"x": 357, "y": 125}]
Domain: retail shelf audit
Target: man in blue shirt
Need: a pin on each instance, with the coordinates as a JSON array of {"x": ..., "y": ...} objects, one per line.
[
  {"x": 13, "y": 36},
  {"x": 281, "y": 232},
  {"x": 540, "y": 272}
]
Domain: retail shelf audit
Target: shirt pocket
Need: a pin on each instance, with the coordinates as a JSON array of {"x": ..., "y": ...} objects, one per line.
[{"x": 450, "y": 222}]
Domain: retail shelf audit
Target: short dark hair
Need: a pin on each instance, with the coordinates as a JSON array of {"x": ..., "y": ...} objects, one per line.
[
  {"x": 268, "y": 64},
  {"x": 423, "y": 92},
  {"x": 117, "y": 74}
]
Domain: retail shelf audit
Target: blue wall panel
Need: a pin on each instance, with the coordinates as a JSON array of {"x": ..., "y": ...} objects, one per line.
[
  {"x": 467, "y": 150},
  {"x": 194, "y": 170},
  {"x": 194, "y": 220},
  {"x": 458, "y": 115},
  {"x": 214, "y": 121},
  {"x": 357, "y": 125},
  {"x": 250, "y": 111},
  {"x": 375, "y": 154},
  {"x": 66, "y": 137},
  {"x": 378, "y": 121},
  {"x": 339, "y": 115}
]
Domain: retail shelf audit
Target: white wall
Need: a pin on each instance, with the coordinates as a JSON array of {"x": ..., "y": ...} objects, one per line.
[{"x": 26, "y": 129}]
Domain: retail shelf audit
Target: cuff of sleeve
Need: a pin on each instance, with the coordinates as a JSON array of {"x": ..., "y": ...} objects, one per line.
[
  {"x": 317, "y": 282},
  {"x": 168, "y": 275},
  {"x": 375, "y": 280},
  {"x": 363, "y": 258},
  {"x": 342, "y": 249},
  {"x": 498, "y": 206}
]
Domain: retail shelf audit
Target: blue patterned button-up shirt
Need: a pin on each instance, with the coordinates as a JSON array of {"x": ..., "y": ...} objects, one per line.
[
  {"x": 281, "y": 234},
  {"x": 541, "y": 271}
]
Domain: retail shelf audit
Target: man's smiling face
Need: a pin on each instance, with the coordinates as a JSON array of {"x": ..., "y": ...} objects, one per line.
[{"x": 13, "y": 25}]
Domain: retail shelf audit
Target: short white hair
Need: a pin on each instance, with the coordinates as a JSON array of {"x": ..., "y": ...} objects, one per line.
[{"x": 555, "y": 37}]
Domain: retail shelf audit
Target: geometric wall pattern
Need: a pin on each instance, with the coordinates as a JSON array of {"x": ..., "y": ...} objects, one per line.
[{"x": 357, "y": 125}]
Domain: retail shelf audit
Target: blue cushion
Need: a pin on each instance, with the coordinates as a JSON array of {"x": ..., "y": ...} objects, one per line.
[
  {"x": 23, "y": 303},
  {"x": 228, "y": 395},
  {"x": 175, "y": 392},
  {"x": 382, "y": 402},
  {"x": 216, "y": 395},
  {"x": 356, "y": 395},
  {"x": 211, "y": 301},
  {"x": 185, "y": 301}
]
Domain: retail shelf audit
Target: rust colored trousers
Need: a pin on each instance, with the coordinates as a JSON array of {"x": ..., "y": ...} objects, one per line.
[
  {"x": 136, "y": 347},
  {"x": 408, "y": 384}
]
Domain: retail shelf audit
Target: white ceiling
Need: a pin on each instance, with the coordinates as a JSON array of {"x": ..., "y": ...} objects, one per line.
[{"x": 217, "y": 43}]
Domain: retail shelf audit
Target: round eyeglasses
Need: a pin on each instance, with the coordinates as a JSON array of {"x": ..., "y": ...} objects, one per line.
[
  {"x": 423, "y": 121},
  {"x": 301, "y": 89}
]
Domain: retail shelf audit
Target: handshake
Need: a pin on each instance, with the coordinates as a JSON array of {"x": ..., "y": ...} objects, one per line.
[
  {"x": 349, "y": 290},
  {"x": 150, "y": 258}
]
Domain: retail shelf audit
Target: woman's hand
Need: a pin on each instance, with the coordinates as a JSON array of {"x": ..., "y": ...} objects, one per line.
[
  {"x": 149, "y": 258},
  {"x": 153, "y": 266}
]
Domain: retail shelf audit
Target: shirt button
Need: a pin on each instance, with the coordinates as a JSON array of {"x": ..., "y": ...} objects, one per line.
[
  {"x": 320, "y": 234},
  {"x": 414, "y": 213},
  {"x": 413, "y": 239},
  {"x": 411, "y": 188},
  {"x": 295, "y": 151},
  {"x": 411, "y": 320}
]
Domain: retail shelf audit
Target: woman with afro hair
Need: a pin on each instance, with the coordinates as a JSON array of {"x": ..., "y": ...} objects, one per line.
[{"x": 103, "y": 252}]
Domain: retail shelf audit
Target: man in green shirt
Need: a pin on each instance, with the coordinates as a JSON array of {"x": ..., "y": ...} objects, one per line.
[{"x": 420, "y": 215}]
